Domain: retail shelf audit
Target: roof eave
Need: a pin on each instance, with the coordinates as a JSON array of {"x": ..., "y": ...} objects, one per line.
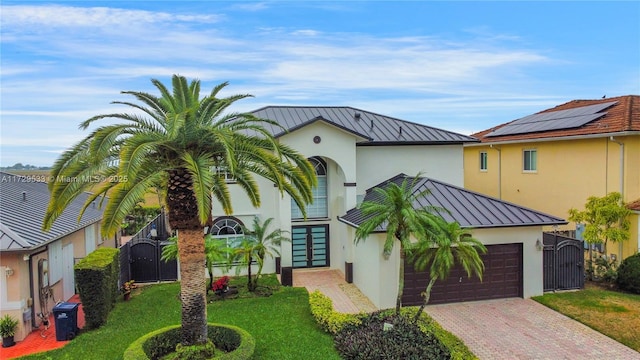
[{"x": 556, "y": 138}]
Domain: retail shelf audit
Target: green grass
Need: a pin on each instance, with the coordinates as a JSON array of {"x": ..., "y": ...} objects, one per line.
[
  {"x": 612, "y": 313},
  {"x": 281, "y": 324}
]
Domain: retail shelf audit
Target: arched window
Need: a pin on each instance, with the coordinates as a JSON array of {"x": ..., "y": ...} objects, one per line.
[
  {"x": 319, "y": 207},
  {"x": 229, "y": 230}
]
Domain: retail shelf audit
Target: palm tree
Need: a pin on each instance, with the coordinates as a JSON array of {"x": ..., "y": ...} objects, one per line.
[
  {"x": 179, "y": 138},
  {"x": 259, "y": 244},
  {"x": 441, "y": 252},
  {"x": 394, "y": 207}
]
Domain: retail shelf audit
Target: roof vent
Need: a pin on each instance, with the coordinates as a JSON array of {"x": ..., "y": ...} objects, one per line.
[
  {"x": 24, "y": 196},
  {"x": 372, "y": 124},
  {"x": 356, "y": 116},
  {"x": 400, "y": 131}
]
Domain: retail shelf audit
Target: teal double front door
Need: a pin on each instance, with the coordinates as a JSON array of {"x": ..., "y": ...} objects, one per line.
[{"x": 310, "y": 246}]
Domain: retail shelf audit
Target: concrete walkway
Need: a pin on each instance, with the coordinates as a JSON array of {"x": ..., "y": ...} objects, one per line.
[
  {"x": 347, "y": 298},
  {"x": 524, "y": 329}
]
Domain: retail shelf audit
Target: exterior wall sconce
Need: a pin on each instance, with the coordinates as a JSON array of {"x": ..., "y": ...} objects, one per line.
[
  {"x": 8, "y": 271},
  {"x": 539, "y": 245}
]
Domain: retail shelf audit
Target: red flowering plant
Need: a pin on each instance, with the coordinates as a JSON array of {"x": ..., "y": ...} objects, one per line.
[{"x": 220, "y": 285}]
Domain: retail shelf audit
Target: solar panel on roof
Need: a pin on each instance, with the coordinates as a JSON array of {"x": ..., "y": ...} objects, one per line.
[{"x": 554, "y": 120}]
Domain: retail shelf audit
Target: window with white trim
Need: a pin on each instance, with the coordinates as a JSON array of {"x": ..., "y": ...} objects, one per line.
[
  {"x": 223, "y": 171},
  {"x": 530, "y": 160},
  {"x": 55, "y": 262},
  {"x": 319, "y": 209},
  {"x": 89, "y": 239},
  {"x": 229, "y": 230},
  {"x": 483, "y": 161}
]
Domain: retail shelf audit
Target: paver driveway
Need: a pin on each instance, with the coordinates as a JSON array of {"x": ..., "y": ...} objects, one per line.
[{"x": 524, "y": 329}]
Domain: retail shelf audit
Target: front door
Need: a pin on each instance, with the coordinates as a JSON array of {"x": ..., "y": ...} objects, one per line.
[{"x": 310, "y": 246}]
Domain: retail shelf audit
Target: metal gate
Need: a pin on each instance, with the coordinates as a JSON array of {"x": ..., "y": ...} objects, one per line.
[
  {"x": 140, "y": 256},
  {"x": 563, "y": 261},
  {"x": 145, "y": 264}
]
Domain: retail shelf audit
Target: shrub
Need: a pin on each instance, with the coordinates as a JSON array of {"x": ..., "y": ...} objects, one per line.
[
  {"x": 233, "y": 342},
  {"x": 629, "y": 274},
  {"x": 329, "y": 320},
  {"x": 373, "y": 340},
  {"x": 97, "y": 281}
]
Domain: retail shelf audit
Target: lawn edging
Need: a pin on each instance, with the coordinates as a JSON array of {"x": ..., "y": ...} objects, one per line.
[
  {"x": 245, "y": 349},
  {"x": 332, "y": 322}
]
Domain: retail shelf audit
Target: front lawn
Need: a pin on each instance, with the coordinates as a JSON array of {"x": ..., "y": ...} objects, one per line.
[
  {"x": 612, "y": 313},
  {"x": 281, "y": 325}
]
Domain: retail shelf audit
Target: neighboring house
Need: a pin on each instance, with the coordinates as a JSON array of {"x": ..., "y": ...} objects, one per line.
[
  {"x": 511, "y": 233},
  {"x": 30, "y": 258},
  {"x": 555, "y": 159},
  {"x": 352, "y": 151}
]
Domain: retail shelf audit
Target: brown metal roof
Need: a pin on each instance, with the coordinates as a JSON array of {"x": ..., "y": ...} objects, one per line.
[
  {"x": 621, "y": 117},
  {"x": 470, "y": 209},
  {"x": 374, "y": 129}
]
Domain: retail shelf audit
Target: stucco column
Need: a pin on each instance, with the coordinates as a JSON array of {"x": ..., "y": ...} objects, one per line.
[
  {"x": 350, "y": 201},
  {"x": 284, "y": 216}
]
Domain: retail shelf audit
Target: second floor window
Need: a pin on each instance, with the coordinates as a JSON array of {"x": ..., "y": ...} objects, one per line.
[
  {"x": 319, "y": 208},
  {"x": 483, "y": 161},
  {"x": 530, "y": 160}
]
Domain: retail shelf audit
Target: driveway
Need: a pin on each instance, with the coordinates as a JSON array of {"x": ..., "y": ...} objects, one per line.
[{"x": 523, "y": 329}]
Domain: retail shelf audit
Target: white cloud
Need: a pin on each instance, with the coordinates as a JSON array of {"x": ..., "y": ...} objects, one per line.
[{"x": 94, "y": 17}]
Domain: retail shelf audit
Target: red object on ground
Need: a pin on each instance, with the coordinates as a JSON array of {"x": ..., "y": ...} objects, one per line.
[{"x": 35, "y": 342}]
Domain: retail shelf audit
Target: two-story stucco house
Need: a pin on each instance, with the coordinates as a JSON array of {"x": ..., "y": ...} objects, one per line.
[
  {"x": 36, "y": 267},
  {"x": 555, "y": 159},
  {"x": 354, "y": 150}
]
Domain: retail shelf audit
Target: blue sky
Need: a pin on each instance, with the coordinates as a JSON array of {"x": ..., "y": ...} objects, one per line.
[{"x": 460, "y": 66}]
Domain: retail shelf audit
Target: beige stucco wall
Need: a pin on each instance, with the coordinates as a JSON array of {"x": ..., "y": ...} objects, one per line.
[
  {"x": 377, "y": 277},
  {"x": 568, "y": 173},
  {"x": 18, "y": 294}
]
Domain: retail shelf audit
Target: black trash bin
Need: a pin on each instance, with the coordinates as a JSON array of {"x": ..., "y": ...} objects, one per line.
[{"x": 66, "y": 319}]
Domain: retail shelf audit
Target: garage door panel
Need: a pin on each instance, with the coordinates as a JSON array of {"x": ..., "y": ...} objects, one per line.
[{"x": 502, "y": 278}]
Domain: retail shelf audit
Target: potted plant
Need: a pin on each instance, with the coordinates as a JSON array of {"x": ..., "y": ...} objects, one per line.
[
  {"x": 126, "y": 289},
  {"x": 7, "y": 330}
]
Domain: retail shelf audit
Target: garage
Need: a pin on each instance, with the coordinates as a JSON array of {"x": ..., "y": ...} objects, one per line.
[{"x": 502, "y": 278}]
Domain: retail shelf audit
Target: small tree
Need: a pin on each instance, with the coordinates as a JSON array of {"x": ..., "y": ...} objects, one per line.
[
  {"x": 257, "y": 245},
  {"x": 450, "y": 245},
  {"x": 393, "y": 207},
  {"x": 606, "y": 219}
]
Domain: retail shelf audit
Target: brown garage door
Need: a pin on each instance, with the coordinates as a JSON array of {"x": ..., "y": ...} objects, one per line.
[{"x": 502, "y": 278}]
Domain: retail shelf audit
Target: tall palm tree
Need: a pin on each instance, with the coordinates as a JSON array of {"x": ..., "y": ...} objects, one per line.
[
  {"x": 179, "y": 138},
  {"x": 395, "y": 207},
  {"x": 259, "y": 244},
  {"x": 441, "y": 252}
]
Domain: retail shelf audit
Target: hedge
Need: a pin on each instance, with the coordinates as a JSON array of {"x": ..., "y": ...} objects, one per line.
[
  {"x": 163, "y": 341},
  {"x": 332, "y": 322},
  {"x": 97, "y": 282}
]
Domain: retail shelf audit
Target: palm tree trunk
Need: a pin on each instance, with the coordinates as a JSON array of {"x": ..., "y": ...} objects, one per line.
[
  {"x": 427, "y": 296},
  {"x": 400, "y": 280},
  {"x": 183, "y": 216},
  {"x": 193, "y": 295},
  {"x": 249, "y": 280}
]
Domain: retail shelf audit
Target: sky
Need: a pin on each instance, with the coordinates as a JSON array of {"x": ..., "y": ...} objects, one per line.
[{"x": 462, "y": 66}]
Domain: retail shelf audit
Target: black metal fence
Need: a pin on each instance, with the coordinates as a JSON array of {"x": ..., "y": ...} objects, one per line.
[
  {"x": 140, "y": 256},
  {"x": 563, "y": 262}
]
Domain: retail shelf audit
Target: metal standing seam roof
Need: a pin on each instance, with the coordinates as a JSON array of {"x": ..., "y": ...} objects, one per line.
[
  {"x": 470, "y": 209},
  {"x": 375, "y": 129},
  {"x": 21, "y": 220}
]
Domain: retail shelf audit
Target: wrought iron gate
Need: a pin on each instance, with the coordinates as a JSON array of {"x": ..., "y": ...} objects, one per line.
[
  {"x": 563, "y": 262},
  {"x": 140, "y": 257}
]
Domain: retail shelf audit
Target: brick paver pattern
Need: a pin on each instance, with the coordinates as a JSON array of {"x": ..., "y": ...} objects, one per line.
[{"x": 524, "y": 329}]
